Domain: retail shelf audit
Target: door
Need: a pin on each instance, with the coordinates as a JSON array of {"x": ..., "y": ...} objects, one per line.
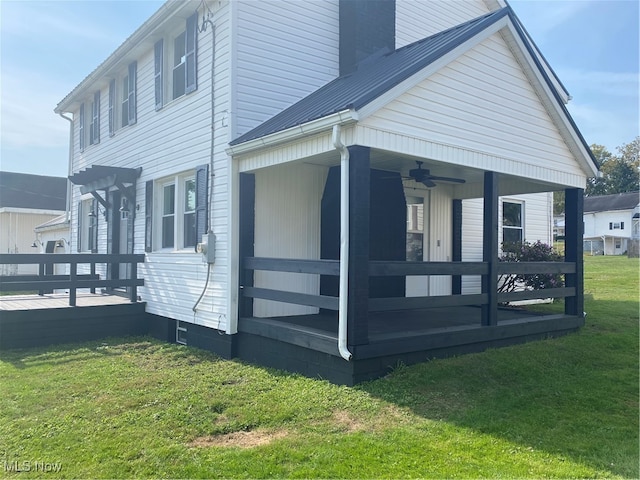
[{"x": 417, "y": 241}]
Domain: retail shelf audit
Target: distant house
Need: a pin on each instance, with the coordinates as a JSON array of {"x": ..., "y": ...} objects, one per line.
[
  {"x": 27, "y": 201},
  {"x": 609, "y": 222}
]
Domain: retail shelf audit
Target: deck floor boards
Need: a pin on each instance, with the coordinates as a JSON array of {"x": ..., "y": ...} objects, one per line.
[
  {"x": 57, "y": 300},
  {"x": 403, "y": 322}
]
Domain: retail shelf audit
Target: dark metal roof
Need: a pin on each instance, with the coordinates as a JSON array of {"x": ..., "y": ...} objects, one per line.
[
  {"x": 605, "y": 203},
  {"x": 22, "y": 190},
  {"x": 373, "y": 78}
]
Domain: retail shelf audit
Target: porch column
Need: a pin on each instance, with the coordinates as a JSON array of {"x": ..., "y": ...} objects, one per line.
[
  {"x": 247, "y": 193},
  {"x": 490, "y": 248},
  {"x": 574, "y": 230},
  {"x": 359, "y": 211},
  {"x": 456, "y": 248}
]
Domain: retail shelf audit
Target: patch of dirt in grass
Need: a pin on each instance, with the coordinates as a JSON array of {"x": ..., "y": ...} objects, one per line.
[
  {"x": 242, "y": 439},
  {"x": 347, "y": 422}
]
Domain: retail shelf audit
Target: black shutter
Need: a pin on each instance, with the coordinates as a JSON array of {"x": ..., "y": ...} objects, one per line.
[
  {"x": 112, "y": 102},
  {"x": 158, "y": 55},
  {"x": 190, "y": 54},
  {"x": 202, "y": 184},
  {"x": 81, "y": 127},
  {"x": 79, "y": 232},
  {"x": 93, "y": 237},
  {"x": 148, "y": 217},
  {"x": 610, "y": 226},
  {"x": 621, "y": 225},
  {"x": 133, "y": 69}
]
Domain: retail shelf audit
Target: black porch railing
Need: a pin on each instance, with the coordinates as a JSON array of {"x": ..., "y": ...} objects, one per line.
[
  {"x": 399, "y": 268},
  {"x": 73, "y": 281}
]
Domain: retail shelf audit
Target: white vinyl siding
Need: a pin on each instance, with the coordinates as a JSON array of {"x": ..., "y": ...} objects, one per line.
[
  {"x": 275, "y": 71},
  {"x": 482, "y": 102},
  {"x": 287, "y": 225},
  {"x": 416, "y": 20},
  {"x": 164, "y": 143},
  {"x": 537, "y": 211}
]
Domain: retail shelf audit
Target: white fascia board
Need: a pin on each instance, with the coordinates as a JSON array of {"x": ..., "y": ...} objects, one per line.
[
  {"x": 31, "y": 211},
  {"x": 430, "y": 69},
  {"x": 557, "y": 112},
  {"x": 343, "y": 117}
]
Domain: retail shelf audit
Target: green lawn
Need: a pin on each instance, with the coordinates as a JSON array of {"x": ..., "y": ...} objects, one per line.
[{"x": 140, "y": 408}]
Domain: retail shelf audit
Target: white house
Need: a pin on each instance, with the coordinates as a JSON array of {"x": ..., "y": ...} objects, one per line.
[
  {"x": 609, "y": 222},
  {"x": 26, "y": 201},
  {"x": 301, "y": 140}
]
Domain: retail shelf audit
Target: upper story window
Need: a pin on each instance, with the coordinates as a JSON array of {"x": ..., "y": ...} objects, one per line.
[
  {"x": 512, "y": 224},
  {"x": 122, "y": 99},
  {"x": 181, "y": 79},
  {"x": 616, "y": 225},
  {"x": 81, "y": 127},
  {"x": 94, "y": 126}
]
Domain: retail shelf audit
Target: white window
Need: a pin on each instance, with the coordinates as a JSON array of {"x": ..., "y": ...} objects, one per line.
[
  {"x": 81, "y": 127},
  {"x": 512, "y": 222},
  {"x": 88, "y": 225},
  {"x": 94, "y": 126},
  {"x": 177, "y": 212},
  {"x": 180, "y": 77}
]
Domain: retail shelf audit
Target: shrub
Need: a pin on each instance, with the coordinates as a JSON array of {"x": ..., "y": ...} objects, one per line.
[{"x": 529, "y": 252}]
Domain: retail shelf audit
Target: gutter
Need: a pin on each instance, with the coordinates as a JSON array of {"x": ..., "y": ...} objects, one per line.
[
  {"x": 344, "y": 244},
  {"x": 343, "y": 117}
]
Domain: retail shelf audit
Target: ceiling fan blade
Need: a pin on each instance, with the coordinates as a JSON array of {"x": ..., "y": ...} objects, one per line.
[
  {"x": 446, "y": 179},
  {"x": 428, "y": 183}
]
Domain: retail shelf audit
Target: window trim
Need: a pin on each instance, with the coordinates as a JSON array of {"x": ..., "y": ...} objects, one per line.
[
  {"x": 81, "y": 127},
  {"x": 87, "y": 225},
  {"x": 154, "y": 203},
  {"x": 112, "y": 107},
  {"x": 521, "y": 204},
  {"x": 94, "y": 125},
  {"x": 158, "y": 77}
]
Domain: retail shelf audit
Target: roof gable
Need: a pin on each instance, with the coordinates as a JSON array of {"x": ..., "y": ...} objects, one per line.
[
  {"x": 20, "y": 190},
  {"x": 605, "y": 203},
  {"x": 372, "y": 79},
  {"x": 382, "y": 78}
]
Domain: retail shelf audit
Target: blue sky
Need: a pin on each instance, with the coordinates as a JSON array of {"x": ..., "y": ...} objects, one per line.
[{"x": 48, "y": 47}]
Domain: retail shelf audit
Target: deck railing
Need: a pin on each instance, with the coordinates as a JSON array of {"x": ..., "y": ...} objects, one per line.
[
  {"x": 399, "y": 268},
  {"x": 73, "y": 281}
]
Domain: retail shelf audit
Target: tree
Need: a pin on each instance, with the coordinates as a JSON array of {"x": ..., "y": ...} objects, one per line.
[{"x": 619, "y": 172}]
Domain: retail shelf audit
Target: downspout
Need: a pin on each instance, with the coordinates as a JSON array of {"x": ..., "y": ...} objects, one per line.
[
  {"x": 343, "y": 290},
  {"x": 69, "y": 168}
]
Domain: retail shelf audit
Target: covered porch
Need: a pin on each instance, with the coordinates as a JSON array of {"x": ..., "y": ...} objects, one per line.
[{"x": 399, "y": 309}]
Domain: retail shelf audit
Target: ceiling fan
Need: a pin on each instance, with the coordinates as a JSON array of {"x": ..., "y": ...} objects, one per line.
[{"x": 423, "y": 176}]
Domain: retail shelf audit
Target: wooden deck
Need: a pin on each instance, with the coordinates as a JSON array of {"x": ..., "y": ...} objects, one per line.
[
  {"x": 308, "y": 343},
  {"x": 58, "y": 300}
]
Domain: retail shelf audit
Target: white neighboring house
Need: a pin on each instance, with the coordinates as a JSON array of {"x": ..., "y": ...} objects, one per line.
[
  {"x": 226, "y": 121},
  {"x": 609, "y": 223},
  {"x": 27, "y": 201}
]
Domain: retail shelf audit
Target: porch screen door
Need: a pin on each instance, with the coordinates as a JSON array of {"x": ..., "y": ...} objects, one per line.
[{"x": 417, "y": 243}]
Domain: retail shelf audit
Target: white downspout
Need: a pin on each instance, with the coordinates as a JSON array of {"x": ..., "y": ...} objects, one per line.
[{"x": 344, "y": 244}]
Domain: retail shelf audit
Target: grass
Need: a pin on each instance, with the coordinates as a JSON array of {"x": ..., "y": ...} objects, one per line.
[{"x": 135, "y": 407}]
